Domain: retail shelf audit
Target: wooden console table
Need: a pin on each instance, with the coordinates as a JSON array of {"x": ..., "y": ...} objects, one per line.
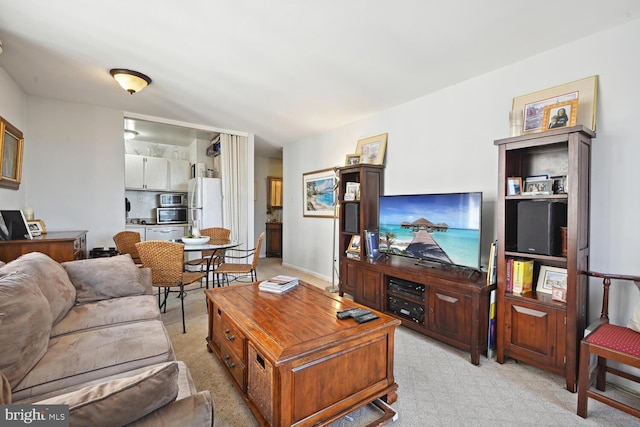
[
  {"x": 293, "y": 361},
  {"x": 59, "y": 245}
]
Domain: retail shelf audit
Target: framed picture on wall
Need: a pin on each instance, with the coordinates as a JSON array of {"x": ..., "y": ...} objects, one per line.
[{"x": 319, "y": 196}]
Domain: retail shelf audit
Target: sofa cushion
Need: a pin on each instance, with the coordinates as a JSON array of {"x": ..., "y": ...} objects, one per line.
[
  {"x": 102, "y": 278},
  {"x": 121, "y": 401},
  {"x": 50, "y": 277},
  {"x": 26, "y": 324},
  {"x": 5, "y": 390},
  {"x": 108, "y": 312},
  {"x": 96, "y": 353}
]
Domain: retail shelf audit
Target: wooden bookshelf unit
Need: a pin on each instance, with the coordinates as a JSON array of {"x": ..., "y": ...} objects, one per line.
[{"x": 534, "y": 328}]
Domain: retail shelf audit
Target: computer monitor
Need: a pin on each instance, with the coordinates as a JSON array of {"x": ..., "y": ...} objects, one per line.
[{"x": 15, "y": 226}]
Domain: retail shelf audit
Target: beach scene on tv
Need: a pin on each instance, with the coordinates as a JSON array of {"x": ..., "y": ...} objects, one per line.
[{"x": 437, "y": 227}]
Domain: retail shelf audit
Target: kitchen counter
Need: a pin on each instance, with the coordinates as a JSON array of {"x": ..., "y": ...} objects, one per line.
[{"x": 153, "y": 231}]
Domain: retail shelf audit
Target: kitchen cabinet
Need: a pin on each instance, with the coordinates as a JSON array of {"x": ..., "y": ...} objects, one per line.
[
  {"x": 146, "y": 173},
  {"x": 179, "y": 174},
  {"x": 165, "y": 232},
  {"x": 140, "y": 230}
]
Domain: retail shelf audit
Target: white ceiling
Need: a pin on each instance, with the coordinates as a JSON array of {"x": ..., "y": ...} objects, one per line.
[{"x": 281, "y": 69}]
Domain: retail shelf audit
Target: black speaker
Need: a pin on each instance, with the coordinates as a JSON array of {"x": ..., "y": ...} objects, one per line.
[
  {"x": 351, "y": 218},
  {"x": 539, "y": 225}
]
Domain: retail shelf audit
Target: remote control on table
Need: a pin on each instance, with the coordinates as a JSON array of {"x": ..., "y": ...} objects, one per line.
[
  {"x": 351, "y": 312},
  {"x": 366, "y": 317}
]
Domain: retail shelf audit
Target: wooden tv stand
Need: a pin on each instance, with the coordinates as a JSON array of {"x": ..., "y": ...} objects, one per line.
[{"x": 448, "y": 304}]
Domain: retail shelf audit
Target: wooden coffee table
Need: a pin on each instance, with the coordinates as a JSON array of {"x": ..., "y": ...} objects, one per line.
[{"x": 293, "y": 361}]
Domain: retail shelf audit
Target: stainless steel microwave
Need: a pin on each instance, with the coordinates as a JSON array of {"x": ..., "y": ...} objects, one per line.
[
  {"x": 171, "y": 215},
  {"x": 170, "y": 200}
]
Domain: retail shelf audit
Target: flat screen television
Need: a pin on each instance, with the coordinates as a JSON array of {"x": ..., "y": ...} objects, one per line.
[{"x": 433, "y": 228}]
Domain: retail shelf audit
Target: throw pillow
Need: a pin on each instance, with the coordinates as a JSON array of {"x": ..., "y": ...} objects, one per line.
[
  {"x": 634, "y": 322},
  {"x": 26, "y": 325},
  {"x": 121, "y": 401},
  {"x": 103, "y": 278},
  {"x": 50, "y": 277}
]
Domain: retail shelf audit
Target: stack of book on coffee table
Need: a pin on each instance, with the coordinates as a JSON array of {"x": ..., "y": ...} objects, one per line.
[{"x": 278, "y": 284}]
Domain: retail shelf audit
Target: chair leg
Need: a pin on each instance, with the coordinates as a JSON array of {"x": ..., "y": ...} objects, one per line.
[
  {"x": 583, "y": 379},
  {"x": 601, "y": 377},
  {"x": 184, "y": 328}
]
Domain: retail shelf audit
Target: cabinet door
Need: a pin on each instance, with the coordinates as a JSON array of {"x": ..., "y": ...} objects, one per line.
[
  {"x": 369, "y": 288},
  {"x": 156, "y": 173},
  {"x": 134, "y": 171},
  {"x": 140, "y": 230},
  {"x": 179, "y": 175},
  {"x": 348, "y": 277},
  {"x": 165, "y": 233},
  {"x": 449, "y": 314},
  {"x": 531, "y": 332}
]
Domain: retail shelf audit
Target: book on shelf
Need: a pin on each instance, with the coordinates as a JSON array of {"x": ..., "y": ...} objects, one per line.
[
  {"x": 372, "y": 243},
  {"x": 522, "y": 276},
  {"x": 353, "y": 255},
  {"x": 278, "y": 284},
  {"x": 491, "y": 338},
  {"x": 492, "y": 269},
  {"x": 509, "y": 276}
]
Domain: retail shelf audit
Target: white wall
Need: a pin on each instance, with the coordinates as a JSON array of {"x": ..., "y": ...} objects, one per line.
[
  {"x": 75, "y": 168},
  {"x": 13, "y": 108},
  {"x": 444, "y": 142}
]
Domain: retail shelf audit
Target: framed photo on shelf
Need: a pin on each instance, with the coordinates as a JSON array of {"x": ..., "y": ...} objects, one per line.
[
  {"x": 352, "y": 191},
  {"x": 319, "y": 196},
  {"x": 560, "y": 115},
  {"x": 371, "y": 150},
  {"x": 36, "y": 227},
  {"x": 354, "y": 244},
  {"x": 559, "y": 184},
  {"x": 514, "y": 185},
  {"x": 538, "y": 186},
  {"x": 352, "y": 159},
  {"x": 551, "y": 277},
  {"x": 531, "y": 106}
]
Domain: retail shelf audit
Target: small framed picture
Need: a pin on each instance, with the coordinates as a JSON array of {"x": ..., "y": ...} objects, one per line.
[
  {"x": 35, "y": 228},
  {"x": 514, "y": 185},
  {"x": 354, "y": 244},
  {"x": 551, "y": 277},
  {"x": 538, "y": 186},
  {"x": 352, "y": 191},
  {"x": 352, "y": 159},
  {"x": 560, "y": 114},
  {"x": 559, "y": 184}
]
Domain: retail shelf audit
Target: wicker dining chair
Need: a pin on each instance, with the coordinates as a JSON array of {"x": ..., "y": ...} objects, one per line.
[
  {"x": 166, "y": 260},
  {"x": 211, "y": 259},
  {"x": 240, "y": 269},
  {"x": 126, "y": 244}
]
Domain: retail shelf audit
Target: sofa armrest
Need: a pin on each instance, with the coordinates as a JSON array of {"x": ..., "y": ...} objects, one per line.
[{"x": 194, "y": 410}]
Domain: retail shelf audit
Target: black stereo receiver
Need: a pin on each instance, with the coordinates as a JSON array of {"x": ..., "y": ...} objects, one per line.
[
  {"x": 404, "y": 287},
  {"x": 410, "y": 309}
]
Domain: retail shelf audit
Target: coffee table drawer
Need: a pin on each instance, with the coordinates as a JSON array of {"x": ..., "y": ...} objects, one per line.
[
  {"x": 232, "y": 337},
  {"x": 234, "y": 364}
]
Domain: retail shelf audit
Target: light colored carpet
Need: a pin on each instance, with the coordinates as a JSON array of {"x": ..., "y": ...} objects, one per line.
[{"x": 438, "y": 386}]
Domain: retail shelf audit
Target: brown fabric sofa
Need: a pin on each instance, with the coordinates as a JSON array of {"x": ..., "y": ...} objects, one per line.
[{"x": 88, "y": 334}]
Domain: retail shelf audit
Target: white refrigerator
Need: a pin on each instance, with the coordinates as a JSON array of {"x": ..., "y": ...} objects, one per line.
[{"x": 205, "y": 202}]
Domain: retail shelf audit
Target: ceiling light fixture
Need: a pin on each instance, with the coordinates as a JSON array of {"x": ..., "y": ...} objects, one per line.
[
  {"x": 131, "y": 81},
  {"x": 130, "y": 134}
]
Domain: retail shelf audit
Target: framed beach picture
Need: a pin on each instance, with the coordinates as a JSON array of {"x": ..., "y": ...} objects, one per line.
[
  {"x": 514, "y": 185},
  {"x": 319, "y": 196},
  {"x": 551, "y": 277},
  {"x": 371, "y": 150}
]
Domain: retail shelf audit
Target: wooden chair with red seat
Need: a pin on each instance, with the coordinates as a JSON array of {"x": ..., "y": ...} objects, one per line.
[
  {"x": 166, "y": 260},
  {"x": 126, "y": 244},
  {"x": 240, "y": 269},
  {"x": 609, "y": 343},
  {"x": 211, "y": 259}
]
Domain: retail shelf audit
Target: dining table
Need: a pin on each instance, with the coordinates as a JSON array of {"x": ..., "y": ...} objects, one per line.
[{"x": 213, "y": 247}]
